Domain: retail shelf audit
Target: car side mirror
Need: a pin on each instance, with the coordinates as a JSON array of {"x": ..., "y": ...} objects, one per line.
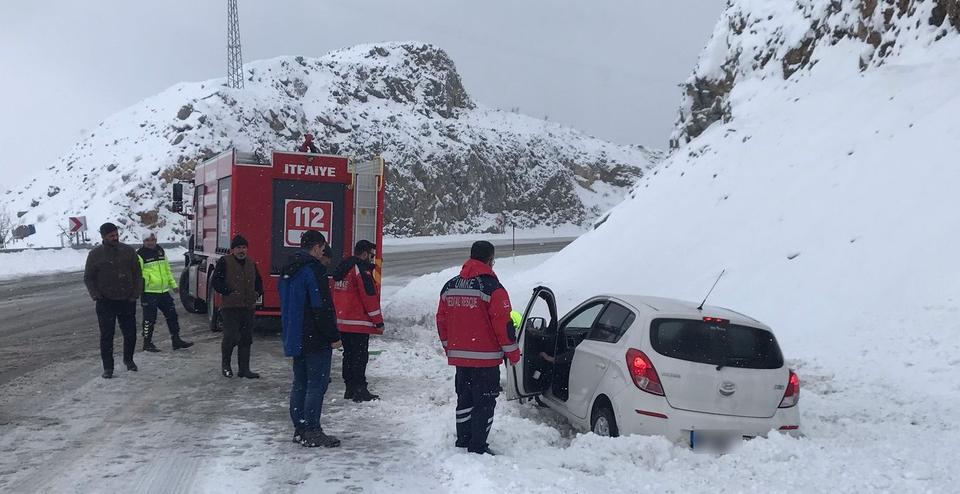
[
  {"x": 536, "y": 323},
  {"x": 177, "y": 206}
]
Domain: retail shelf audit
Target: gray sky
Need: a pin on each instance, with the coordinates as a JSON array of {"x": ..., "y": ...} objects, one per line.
[{"x": 607, "y": 67}]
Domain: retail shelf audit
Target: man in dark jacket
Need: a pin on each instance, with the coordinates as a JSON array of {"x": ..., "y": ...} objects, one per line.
[
  {"x": 236, "y": 278},
  {"x": 114, "y": 281},
  {"x": 157, "y": 282},
  {"x": 309, "y": 336},
  {"x": 476, "y": 331},
  {"x": 358, "y": 316}
]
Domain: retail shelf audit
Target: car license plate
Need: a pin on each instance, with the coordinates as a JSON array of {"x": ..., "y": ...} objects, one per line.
[{"x": 714, "y": 441}]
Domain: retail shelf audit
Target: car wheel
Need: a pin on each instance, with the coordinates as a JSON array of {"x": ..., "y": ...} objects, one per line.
[
  {"x": 213, "y": 312},
  {"x": 602, "y": 421}
]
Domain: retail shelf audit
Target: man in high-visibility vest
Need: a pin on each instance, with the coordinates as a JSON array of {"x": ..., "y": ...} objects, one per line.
[{"x": 157, "y": 282}]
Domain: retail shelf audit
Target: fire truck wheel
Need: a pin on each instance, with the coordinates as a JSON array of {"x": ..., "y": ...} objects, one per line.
[
  {"x": 213, "y": 312},
  {"x": 190, "y": 303}
]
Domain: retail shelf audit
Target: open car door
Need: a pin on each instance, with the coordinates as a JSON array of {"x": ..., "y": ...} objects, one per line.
[{"x": 538, "y": 333}]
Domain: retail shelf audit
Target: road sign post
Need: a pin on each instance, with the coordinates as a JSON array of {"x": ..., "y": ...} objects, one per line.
[{"x": 77, "y": 224}]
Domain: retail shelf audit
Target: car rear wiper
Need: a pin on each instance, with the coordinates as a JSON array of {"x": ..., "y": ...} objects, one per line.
[{"x": 728, "y": 361}]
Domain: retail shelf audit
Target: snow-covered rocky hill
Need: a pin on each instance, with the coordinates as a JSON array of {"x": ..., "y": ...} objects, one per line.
[
  {"x": 826, "y": 185},
  {"x": 453, "y": 164}
]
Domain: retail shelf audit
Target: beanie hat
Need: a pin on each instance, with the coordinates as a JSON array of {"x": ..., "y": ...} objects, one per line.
[
  {"x": 238, "y": 241},
  {"x": 311, "y": 238},
  {"x": 108, "y": 228}
]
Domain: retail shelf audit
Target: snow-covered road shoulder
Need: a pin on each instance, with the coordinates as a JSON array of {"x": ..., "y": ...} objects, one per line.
[{"x": 42, "y": 262}]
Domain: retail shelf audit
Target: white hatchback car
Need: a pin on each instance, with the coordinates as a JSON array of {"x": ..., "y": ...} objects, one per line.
[{"x": 627, "y": 364}]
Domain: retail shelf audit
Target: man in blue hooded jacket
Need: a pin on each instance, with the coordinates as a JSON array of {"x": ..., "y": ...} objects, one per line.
[{"x": 309, "y": 336}]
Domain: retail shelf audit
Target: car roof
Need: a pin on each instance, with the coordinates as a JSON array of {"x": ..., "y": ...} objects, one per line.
[{"x": 683, "y": 308}]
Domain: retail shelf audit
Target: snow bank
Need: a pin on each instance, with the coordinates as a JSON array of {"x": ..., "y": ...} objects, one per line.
[
  {"x": 859, "y": 436},
  {"x": 830, "y": 202}
]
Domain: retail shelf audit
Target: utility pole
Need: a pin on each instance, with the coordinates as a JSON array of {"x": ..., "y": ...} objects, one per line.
[{"x": 234, "y": 58}]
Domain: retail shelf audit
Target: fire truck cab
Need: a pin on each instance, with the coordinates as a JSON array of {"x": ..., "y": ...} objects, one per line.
[{"x": 271, "y": 202}]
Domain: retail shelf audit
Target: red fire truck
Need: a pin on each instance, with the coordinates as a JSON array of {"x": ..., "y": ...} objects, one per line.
[{"x": 271, "y": 202}]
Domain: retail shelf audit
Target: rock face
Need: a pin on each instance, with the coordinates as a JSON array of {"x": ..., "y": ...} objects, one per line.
[
  {"x": 453, "y": 165},
  {"x": 780, "y": 39}
]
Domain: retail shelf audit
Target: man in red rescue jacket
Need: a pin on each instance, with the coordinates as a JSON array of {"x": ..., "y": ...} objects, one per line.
[
  {"x": 476, "y": 331},
  {"x": 358, "y": 316}
]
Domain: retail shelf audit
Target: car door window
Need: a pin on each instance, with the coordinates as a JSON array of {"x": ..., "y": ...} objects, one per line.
[
  {"x": 576, "y": 328},
  {"x": 612, "y": 323}
]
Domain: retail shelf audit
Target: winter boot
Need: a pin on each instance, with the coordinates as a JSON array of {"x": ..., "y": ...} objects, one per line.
[
  {"x": 298, "y": 435},
  {"x": 225, "y": 364},
  {"x": 243, "y": 362},
  {"x": 349, "y": 393},
  {"x": 315, "y": 437},
  {"x": 363, "y": 394},
  {"x": 131, "y": 366},
  {"x": 148, "y": 345},
  {"x": 107, "y": 374},
  {"x": 178, "y": 343}
]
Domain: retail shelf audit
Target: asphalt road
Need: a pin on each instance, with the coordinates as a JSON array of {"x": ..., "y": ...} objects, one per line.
[
  {"x": 46, "y": 320},
  {"x": 177, "y": 425}
]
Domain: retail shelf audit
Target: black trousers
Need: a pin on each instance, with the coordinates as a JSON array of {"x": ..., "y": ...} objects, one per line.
[
  {"x": 150, "y": 302},
  {"x": 477, "y": 390},
  {"x": 109, "y": 313},
  {"x": 356, "y": 354},
  {"x": 237, "y": 332}
]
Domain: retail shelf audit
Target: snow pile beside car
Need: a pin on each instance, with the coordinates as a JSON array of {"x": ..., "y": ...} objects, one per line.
[{"x": 858, "y": 436}]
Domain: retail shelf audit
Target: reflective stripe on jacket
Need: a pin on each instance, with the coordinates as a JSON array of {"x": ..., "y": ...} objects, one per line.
[
  {"x": 356, "y": 299},
  {"x": 473, "y": 319}
]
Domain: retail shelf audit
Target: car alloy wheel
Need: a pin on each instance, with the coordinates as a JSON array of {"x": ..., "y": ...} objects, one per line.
[
  {"x": 601, "y": 427},
  {"x": 604, "y": 424}
]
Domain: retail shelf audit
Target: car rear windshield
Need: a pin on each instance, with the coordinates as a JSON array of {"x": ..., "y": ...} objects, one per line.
[{"x": 729, "y": 345}]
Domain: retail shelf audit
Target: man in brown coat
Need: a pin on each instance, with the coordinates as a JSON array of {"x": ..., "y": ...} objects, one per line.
[
  {"x": 114, "y": 281},
  {"x": 236, "y": 279}
]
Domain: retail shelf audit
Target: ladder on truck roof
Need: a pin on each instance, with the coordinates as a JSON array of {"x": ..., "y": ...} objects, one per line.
[{"x": 368, "y": 179}]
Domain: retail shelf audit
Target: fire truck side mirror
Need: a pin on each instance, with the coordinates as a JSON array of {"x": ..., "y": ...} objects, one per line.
[{"x": 177, "y": 198}]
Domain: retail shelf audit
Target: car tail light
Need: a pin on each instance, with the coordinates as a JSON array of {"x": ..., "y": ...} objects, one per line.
[
  {"x": 643, "y": 373},
  {"x": 717, "y": 320},
  {"x": 792, "y": 394}
]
